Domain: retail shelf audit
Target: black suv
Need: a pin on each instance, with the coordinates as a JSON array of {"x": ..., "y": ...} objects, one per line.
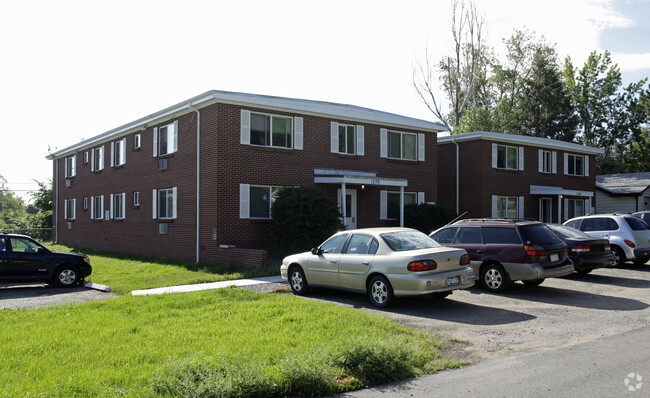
[
  {"x": 22, "y": 259},
  {"x": 504, "y": 250}
]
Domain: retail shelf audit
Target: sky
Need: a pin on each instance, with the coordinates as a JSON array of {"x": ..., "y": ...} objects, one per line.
[{"x": 70, "y": 70}]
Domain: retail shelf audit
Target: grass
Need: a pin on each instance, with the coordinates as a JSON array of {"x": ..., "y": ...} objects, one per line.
[{"x": 220, "y": 343}]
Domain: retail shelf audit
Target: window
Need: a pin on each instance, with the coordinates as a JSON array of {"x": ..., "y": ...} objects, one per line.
[
  {"x": 271, "y": 130},
  {"x": 136, "y": 198},
  {"x": 575, "y": 208},
  {"x": 118, "y": 153},
  {"x": 137, "y": 141},
  {"x": 507, "y": 206},
  {"x": 445, "y": 236},
  {"x": 392, "y": 210},
  {"x": 70, "y": 205},
  {"x": 86, "y": 157},
  {"x": 347, "y": 139},
  {"x": 70, "y": 166},
  {"x": 469, "y": 235},
  {"x": 118, "y": 206},
  {"x": 165, "y": 203},
  {"x": 97, "y": 161},
  {"x": 507, "y": 157},
  {"x": 402, "y": 145},
  {"x": 261, "y": 201},
  {"x": 500, "y": 236},
  {"x": 85, "y": 203},
  {"x": 165, "y": 139},
  {"x": 574, "y": 165},
  {"x": 334, "y": 245},
  {"x": 547, "y": 161},
  {"x": 362, "y": 244},
  {"x": 97, "y": 207}
]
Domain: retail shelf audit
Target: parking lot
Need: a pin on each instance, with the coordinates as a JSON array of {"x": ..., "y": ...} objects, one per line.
[{"x": 560, "y": 312}]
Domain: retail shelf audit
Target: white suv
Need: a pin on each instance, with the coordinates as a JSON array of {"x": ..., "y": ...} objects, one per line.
[{"x": 628, "y": 236}]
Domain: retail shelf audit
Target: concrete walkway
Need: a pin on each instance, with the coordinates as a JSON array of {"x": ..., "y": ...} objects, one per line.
[{"x": 207, "y": 286}]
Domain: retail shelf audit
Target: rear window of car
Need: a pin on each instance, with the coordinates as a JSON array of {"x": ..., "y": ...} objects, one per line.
[
  {"x": 636, "y": 224},
  {"x": 501, "y": 236},
  {"x": 408, "y": 240},
  {"x": 538, "y": 234},
  {"x": 445, "y": 236}
]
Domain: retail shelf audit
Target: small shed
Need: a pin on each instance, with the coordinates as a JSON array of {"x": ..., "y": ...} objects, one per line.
[{"x": 623, "y": 193}]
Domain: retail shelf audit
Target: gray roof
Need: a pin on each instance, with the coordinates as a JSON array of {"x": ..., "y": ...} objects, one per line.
[
  {"x": 624, "y": 184},
  {"x": 302, "y": 106}
]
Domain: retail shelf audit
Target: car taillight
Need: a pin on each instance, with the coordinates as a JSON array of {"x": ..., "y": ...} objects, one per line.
[
  {"x": 422, "y": 265},
  {"x": 608, "y": 248},
  {"x": 533, "y": 251},
  {"x": 630, "y": 243},
  {"x": 580, "y": 249},
  {"x": 464, "y": 259}
]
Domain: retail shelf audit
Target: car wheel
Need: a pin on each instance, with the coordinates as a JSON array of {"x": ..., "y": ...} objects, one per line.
[
  {"x": 619, "y": 257},
  {"x": 380, "y": 292},
  {"x": 66, "y": 276},
  {"x": 494, "y": 278},
  {"x": 297, "y": 281},
  {"x": 584, "y": 271},
  {"x": 534, "y": 282}
]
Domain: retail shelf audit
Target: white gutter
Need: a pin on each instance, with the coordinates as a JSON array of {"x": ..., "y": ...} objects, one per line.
[
  {"x": 55, "y": 216},
  {"x": 198, "y": 175}
]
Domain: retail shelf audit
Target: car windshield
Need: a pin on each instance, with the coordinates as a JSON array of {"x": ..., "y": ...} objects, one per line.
[
  {"x": 408, "y": 240},
  {"x": 568, "y": 233},
  {"x": 538, "y": 234},
  {"x": 636, "y": 224}
]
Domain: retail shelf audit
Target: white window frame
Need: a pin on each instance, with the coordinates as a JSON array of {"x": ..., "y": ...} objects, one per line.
[
  {"x": 571, "y": 205},
  {"x": 245, "y": 201},
  {"x": 497, "y": 200},
  {"x": 70, "y": 209},
  {"x": 97, "y": 206},
  {"x": 118, "y": 153},
  {"x": 97, "y": 158},
  {"x": 136, "y": 198},
  {"x": 519, "y": 151},
  {"x": 170, "y": 132},
  {"x": 137, "y": 141},
  {"x": 71, "y": 166},
  {"x": 174, "y": 206},
  {"x": 86, "y": 203},
  {"x": 547, "y": 161},
  {"x": 118, "y": 206},
  {"x": 383, "y": 202},
  {"x": 358, "y": 140},
  {"x": 585, "y": 164},
  {"x": 86, "y": 157},
  {"x": 295, "y": 141}
]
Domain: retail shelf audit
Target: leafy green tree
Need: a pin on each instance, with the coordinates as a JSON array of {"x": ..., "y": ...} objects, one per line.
[
  {"x": 12, "y": 208},
  {"x": 303, "y": 217}
]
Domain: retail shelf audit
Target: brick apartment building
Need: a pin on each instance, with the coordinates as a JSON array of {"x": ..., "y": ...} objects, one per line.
[
  {"x": 513, "y": 176},
  {"x": 195, "y": 181}
]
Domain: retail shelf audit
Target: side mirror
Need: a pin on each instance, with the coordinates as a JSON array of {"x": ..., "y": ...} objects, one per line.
[
  {"x": 316, "y": 251},
  {"x": 41, "y": 250}
]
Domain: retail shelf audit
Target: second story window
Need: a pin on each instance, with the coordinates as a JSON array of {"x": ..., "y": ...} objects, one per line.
[
  {"x": 97, "y": 207},
  {"x": 507, "y": 157},
  {"x": 576, "y": 165},
  {"x": 402, "y": 145},
  {"x": 137, "y": 141},
  {"x": 71, "y": 166},
  {"x": 547, "y": 161},
  {"x": 165, "y": 139},
  {"x": 347, "y": 139},
  {"x": 271, "y": 130},
  {"x": 118, "y": 153},
  {"x": 97, "y": 158}
]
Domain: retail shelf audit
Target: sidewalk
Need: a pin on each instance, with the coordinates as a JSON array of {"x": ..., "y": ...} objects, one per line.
[{"x": 207, "y": 286}]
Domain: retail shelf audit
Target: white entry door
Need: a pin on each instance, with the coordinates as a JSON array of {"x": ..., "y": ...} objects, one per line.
[{"x": 350, "y": 220}]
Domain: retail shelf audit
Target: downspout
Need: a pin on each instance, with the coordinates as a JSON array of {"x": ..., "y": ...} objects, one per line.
[
  {"x": 56, "y": 201},
  {"x": 457, "y": 174},
  {"x": 198, "y": 176}
]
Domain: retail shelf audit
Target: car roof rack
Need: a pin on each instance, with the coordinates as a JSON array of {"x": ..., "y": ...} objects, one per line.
[{"x": 509, "y": 220}]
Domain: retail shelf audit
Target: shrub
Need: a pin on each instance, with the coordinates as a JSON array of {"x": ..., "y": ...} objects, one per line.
[
  {"x": 303, "y": 217},
  {"x": 427, "y": 217}
]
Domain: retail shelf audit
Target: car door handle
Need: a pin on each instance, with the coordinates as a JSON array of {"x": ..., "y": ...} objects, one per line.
[
  {"x": 333, "y": 261},
  {"x": 365, "y": 263},
  {"x": 479, "y": 252}
]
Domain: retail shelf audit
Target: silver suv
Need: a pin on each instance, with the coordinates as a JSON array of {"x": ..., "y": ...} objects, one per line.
[{"x": 628, "y": 236}]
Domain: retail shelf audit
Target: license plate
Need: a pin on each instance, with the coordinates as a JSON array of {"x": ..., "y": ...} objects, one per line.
[
  {"x": 452, "y": 281},
  {"x": 555, "y": 257}
]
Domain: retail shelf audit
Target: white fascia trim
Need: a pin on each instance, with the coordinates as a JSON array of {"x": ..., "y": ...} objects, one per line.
[
  {"x": 358, "y": 180},
  {"x": 330, "y": 173},
  {"x": 545, "y": 190},
  {"x": 308, "y": 107},
  {"x": 521, "y": 140}
]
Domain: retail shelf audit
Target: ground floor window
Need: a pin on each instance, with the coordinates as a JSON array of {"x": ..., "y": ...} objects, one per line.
[
  {"x": 392, "y": 209},
  {"x": 507, "y": 206},
  {"x": 118, "y": 206},
  {"x": 97, "y": 207},
  {"x": 575, "y": 208},
  {"x": 256, "y": 201},
  {"x": 164, "y": 203}
]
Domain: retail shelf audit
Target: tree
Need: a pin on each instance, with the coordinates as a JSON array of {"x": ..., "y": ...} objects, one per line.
[
  {"x": 637, "y": 157},
  {"x": 12, "y": 208},
  {"x": 303, "y": 218},
  {"x": 458, "y": 73}
]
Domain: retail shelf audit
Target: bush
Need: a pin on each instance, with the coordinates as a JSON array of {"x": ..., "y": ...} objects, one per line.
[
  {"x": 303, "y": 217},
  {"x": 426, "y": 217}
]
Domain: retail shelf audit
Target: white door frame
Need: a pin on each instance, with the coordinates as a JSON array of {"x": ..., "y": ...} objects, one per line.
[
  {"x": 349, "y": 220},
  {"x": 541, "y": 209}
]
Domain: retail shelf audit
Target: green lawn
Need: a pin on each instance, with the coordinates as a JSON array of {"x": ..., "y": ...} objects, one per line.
[{"x": 220, "y": 343}]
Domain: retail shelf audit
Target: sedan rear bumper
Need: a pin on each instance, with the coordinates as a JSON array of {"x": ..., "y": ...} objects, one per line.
[
  {"x": 419, "y": 283},
  {"x": 589, "y": 261}
]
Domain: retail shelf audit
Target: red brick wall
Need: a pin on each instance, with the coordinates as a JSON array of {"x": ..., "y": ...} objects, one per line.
[
  {"x": 225, "y": 164},
  {"x": 479, "y": 181}
]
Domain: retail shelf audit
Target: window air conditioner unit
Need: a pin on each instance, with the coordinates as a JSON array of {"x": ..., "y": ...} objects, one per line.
[
  {"x": 68, "y": 183},
  {"x": 162, "y": 164}
]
